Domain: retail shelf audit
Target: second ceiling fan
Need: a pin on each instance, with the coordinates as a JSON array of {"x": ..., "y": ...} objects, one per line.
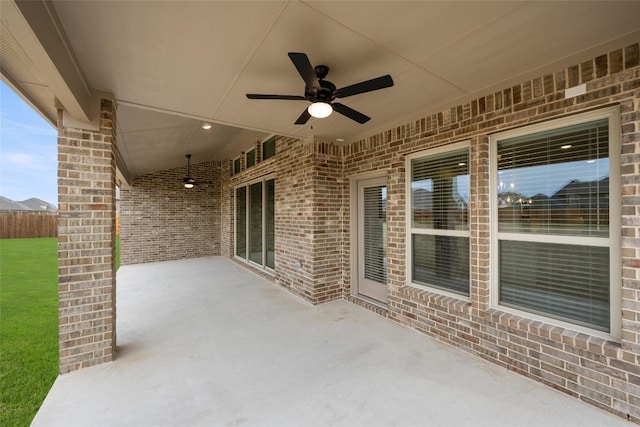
[
  {"x": 321, "y": 93},
  {"x": 189, "y": 181}
]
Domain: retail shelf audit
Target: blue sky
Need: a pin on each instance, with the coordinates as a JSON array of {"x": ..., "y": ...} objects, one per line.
[{"x": 28, "y": 151}]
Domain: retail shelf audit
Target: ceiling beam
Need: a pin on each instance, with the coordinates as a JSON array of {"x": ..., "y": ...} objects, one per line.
[{"x": 38, "y": 31}]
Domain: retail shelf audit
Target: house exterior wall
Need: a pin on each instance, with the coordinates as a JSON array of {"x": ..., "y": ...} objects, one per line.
[
  {"x": 308, "y": 212},
  {"x": 160, "y": 220},
  {"x": 86, "y": 242},
  {"x": 313, "y": 238},
  {"x": 602, "y": 372}
]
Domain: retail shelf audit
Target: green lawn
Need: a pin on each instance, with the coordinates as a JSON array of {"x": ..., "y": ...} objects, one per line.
[{"x": 28, "y": 326}]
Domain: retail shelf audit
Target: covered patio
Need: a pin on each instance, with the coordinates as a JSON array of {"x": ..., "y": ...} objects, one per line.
[
  {"x": 427, "y": 202},
  {"x": 220, "y": 345}
]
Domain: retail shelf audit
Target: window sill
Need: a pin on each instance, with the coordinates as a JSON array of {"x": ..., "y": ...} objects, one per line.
[{"x": 457, "y": 303}]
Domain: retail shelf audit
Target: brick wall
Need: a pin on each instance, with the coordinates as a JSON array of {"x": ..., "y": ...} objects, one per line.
[
  {"x": 160, "y": 220},
  {"x": 598, "y": 371},
  {"x": 86, "y": 243},
  {"x": 308, "y": 228}
]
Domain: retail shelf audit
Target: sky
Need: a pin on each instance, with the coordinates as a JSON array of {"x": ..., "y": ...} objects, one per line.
[{"x": 28, "y": 151}]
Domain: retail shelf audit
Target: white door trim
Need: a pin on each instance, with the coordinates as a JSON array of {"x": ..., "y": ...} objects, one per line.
[{"x": 355, "y": 226}]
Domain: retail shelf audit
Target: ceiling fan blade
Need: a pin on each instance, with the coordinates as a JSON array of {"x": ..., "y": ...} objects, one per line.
[
  {"x": 366, "y": 86},
  {"x": 350, "y": 112},
  {"x": 287, "y": 97},
  {"x": 304, "y": 117},
  {"x": 303, "y": 65}
]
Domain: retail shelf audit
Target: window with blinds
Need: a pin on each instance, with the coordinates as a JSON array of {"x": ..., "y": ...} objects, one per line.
[
  {"x": 552, "y": 209},
  {"x": 439, "y": 218}
]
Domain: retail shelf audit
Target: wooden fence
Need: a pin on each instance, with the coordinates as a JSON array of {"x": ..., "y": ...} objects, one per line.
[{"x": 26, "y": 224}]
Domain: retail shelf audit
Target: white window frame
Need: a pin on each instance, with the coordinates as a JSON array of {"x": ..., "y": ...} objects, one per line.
[
  {"x": 247, "y": 260},
  {"x": 409, "y": 220},
  {"x": 612, "y": 242}
]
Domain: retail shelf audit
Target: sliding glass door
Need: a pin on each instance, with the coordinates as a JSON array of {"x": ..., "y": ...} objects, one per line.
[{"x": 255, "y": 223}]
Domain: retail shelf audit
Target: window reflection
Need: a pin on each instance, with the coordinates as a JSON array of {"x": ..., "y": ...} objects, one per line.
[
  {"x": 440, "y": 192},
  {"x": 555, "y": 182}
]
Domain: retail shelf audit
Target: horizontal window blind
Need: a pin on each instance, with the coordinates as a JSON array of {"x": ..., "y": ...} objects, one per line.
[
  {"x": 375, "y": 214},
  {"x": 441, "y": 262},
  {"x": 440, "y": 191},
  {"x": 567, "y": 282},
  {"x": 555, "y": 182},
  {"x": 550, "y": 185}
]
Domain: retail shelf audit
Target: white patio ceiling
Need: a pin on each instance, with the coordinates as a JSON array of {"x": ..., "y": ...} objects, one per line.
[{"x": 173, "y": 65}]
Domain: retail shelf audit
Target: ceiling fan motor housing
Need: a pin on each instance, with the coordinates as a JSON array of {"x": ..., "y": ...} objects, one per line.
[{"x": 326, "y": 93}]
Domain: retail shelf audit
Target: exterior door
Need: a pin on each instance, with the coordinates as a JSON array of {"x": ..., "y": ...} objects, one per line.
[{"x": 372, "y": 239}]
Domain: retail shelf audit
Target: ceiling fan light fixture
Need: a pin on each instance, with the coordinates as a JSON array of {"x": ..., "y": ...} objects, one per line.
[
  {"x": 320, "y": 110},
  {"x": 188, "y": 185}
]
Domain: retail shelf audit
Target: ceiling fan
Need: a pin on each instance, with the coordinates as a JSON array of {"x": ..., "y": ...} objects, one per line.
[
  {"x": 188, "y": 181},
  {"x": 321, "y": 93}
]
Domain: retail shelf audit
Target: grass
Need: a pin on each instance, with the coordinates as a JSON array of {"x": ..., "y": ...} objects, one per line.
[
  {"x": 28, "y": 326},
  {"x": 117, "y": 260}
]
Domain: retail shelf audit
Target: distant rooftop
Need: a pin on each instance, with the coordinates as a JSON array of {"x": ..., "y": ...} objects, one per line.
[{"x": 32, "y": 204}]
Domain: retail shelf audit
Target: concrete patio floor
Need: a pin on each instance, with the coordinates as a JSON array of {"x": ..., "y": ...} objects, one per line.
[{"x": 204, "y": 342}]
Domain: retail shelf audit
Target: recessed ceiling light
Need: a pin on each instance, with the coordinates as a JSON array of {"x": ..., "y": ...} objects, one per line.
[
  {"x": 339, "y": 139},
  {"x": 564, "y": 147},
  {"x": 206, "y": 126}
]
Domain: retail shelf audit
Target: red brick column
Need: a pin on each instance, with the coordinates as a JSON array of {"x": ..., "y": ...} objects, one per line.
[{"x": 86, "y": 242}]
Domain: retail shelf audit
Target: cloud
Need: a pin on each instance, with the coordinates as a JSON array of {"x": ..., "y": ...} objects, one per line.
[
  {"x": 24, "y": 162},
  {"x": 14, "y": 128}
]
